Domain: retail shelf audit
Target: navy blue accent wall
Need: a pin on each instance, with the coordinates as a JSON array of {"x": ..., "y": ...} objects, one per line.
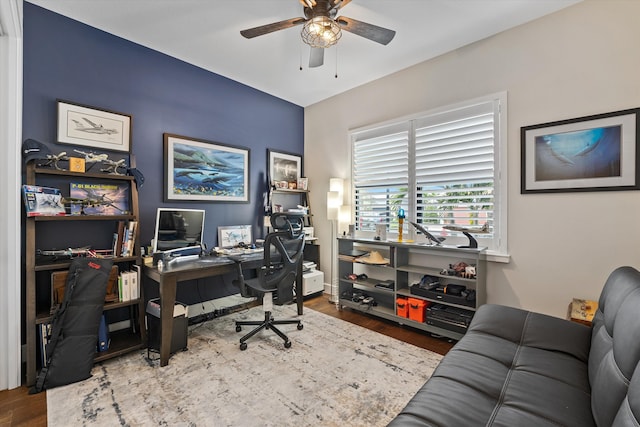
[{"x": 65, "y": 59}]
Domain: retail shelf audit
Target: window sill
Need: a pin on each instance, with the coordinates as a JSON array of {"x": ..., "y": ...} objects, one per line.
[{"x": 493, "y": 256}]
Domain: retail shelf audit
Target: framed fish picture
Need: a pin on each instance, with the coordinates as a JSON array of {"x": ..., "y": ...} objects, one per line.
[
  {"x": 197, "y": 169},
  {"x": 593, "y": 153}
]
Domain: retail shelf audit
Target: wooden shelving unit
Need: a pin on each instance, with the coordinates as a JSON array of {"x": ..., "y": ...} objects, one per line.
[{"x": 36, "y": 288}]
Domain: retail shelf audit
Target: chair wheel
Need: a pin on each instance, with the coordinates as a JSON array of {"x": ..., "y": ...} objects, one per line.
[
  {"x": 300, "y": 326},
  {"x": 287, "y": 344},
  {"x": 238, "y": 328},
  {"x": 243, "y": 346}
]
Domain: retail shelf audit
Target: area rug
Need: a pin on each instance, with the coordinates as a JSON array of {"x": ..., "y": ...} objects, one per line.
[{"x": 335, "y": 374}]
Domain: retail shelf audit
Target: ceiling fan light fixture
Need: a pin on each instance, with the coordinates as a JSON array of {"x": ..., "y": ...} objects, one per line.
[{"x": 321, "y": 31}]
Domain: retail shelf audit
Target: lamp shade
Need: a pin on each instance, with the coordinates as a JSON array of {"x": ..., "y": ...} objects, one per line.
[
  {"x": 333, "y": 205},
  {"x": 345, "y": 214},
  {"x": 337, "y": 184}
]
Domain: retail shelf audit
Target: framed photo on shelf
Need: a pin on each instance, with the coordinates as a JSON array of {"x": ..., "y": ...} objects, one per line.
[
  {"x": 232, "y": 235},
  {"x": 593, "y": 153},
  {"x": 196, "y": 169},
  {"x": 93, "y": 127},
  {"x": 284, "y": 168}
]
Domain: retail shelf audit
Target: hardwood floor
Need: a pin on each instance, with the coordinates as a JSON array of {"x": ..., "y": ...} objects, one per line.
[
  {"x": 18, "y": 408},
  {"x": 412, "y": 336}
]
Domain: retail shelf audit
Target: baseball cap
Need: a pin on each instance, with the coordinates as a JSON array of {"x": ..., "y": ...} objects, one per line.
[{"x": 32, "y": 150}]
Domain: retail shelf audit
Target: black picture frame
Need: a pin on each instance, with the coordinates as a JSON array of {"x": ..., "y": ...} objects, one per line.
[
  {"x": 200, "y": 170},
  {"x": 592, "y": 153},
  {"x": 283, "y": 168},
  {"x": 93, "y": 127}
]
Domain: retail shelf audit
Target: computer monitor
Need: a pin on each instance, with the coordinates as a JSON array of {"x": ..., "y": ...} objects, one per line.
[{"x": 178, "y": 228}]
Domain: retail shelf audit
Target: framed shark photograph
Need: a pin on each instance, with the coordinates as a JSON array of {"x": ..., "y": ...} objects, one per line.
[
  {"x": 593, "y": 153},
  {"x": 93, "y": 127},
  {"x": 196, "y": 169}
]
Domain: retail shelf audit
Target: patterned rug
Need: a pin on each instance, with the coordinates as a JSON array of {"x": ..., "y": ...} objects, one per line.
[{"x": 334, "y": 374}]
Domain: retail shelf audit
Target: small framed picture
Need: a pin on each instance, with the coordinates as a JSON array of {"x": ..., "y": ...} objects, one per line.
[
  {"x": 284, "y": 168},
  {"x": 232, "y": 235},
  {"x": 303, "y": 184}
]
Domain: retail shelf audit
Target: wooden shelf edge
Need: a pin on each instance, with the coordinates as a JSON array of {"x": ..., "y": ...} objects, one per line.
[{"x": 93, "y": 175}]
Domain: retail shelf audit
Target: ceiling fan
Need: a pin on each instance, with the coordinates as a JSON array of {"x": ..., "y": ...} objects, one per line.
[{"x": 322, "y": 28}]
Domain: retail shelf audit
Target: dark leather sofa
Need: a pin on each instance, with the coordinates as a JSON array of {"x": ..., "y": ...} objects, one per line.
[{"x": 517, "y": 368}]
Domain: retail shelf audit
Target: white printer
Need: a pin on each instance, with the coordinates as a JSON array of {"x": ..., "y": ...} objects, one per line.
[{"x": 312, "y": 279}]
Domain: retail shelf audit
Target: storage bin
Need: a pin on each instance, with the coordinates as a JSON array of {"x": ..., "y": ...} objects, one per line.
[
  {"x": 402, "y": 307},
  {"x": 417, "y": 309}
]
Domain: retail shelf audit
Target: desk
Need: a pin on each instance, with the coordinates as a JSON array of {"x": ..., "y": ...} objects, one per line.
[{"x": 180, "y": 271}]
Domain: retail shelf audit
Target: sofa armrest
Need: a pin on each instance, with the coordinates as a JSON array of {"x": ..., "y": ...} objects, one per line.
[{"x": 533, "y": 330}]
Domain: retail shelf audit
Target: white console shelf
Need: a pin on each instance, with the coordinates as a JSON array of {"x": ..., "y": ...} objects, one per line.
[{"x": 407, "y": 264}]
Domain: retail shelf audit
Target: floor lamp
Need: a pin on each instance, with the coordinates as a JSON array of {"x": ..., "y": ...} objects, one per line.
[{"x": 334, "y": 201}]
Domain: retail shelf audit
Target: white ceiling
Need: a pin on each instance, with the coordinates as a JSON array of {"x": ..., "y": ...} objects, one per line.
[{"x": 206, "y": 33}]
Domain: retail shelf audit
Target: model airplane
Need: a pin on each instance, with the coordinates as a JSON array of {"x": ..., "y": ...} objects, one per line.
[
  {"x": 436, "y": 240},
  {"x": 112, "y": 166},
  {"x": 93, "y": 127},
  {"x": 53, "y": 159},
  {"x": 69, "y": 252},
  {"x": 479, "y": 230},
  {"x": 473, "y": 243},
  {"x": 90, "y": 157}
]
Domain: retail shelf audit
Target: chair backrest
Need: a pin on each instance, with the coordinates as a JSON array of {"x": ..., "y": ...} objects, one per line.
[{"x": 283, "y": 252}]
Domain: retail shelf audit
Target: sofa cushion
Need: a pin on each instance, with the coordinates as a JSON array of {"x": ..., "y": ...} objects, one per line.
[
  {"x": 512, "y": 367},
  {"x": 615, "y": 350}
]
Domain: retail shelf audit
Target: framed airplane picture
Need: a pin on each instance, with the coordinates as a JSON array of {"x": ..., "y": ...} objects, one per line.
[
  {"x": 196, "y": 169},
  {"x": 92, "y": 127}
]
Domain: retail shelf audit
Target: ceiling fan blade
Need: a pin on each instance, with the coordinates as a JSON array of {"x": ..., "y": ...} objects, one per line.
[
  {"x": 339, "y": 4},
  {"x": 270, "y": 28},
  {"x": 316, "y": 58},
  {"x": 368, "y": 31}
]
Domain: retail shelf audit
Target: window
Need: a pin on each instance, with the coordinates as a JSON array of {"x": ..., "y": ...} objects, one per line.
[{"x": 443, "y": 168}]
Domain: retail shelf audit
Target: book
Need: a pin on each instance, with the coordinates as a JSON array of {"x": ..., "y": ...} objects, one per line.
[
  {"x": 99, "y": 199},
  {"x": 129, "y": 239},
  {"x": 126, "y": 286},
  {"x": 135, "y": 282},
  {"x": 44, "y": 334},
  {"x": 42, "y": 201},
  {"x": 118, "y": 239}
]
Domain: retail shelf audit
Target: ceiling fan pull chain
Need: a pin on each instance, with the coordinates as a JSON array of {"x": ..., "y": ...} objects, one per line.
[
  {"x": 301, "y": 56},
  {"x": 336, "y": 76}
]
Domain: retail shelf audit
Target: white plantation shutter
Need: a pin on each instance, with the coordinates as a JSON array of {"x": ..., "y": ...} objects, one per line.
[
  {"x": 380, "y": 176},
  {"x": 440, "y": 167},
  {"x": 454, "y": 167}
]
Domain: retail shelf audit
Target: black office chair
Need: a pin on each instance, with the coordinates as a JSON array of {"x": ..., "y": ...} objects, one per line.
[{"x": 283, "y": 252}]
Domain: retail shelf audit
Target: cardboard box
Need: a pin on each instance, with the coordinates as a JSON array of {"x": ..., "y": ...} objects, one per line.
[
  {"x": 417, "y": 309},
  {"x": 402, "y": 307},
  {"x": 582, "y": 311}
]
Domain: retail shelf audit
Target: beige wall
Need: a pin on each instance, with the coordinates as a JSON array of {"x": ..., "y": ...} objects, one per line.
[{"x": 580, "y": 61}]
